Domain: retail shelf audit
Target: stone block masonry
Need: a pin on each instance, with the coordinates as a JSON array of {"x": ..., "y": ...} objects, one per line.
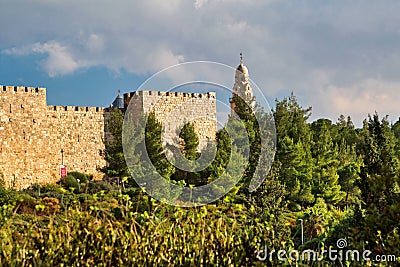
[
  {"x": 33, "y": 134},
  {"x": 174, "y": 109}
]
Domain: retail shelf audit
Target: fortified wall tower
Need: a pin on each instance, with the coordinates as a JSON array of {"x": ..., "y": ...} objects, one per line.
[
  {"x": 174, "y": 109},
  {"x": 32, "y": 136}
]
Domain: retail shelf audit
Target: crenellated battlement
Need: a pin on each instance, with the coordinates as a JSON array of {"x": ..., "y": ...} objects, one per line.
[
  {"x": 147, "y": 94},
  {"x": 172, "y": 94},
  {"x": 22, "y": 89},
  {"x": 79, "y": 109},
  {"x": 13, "y": 97}
]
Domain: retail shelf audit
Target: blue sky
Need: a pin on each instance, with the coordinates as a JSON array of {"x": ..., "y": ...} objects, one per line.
[
  {"x": 95, "y": 86},
  {"x": 340, "y": 57}
]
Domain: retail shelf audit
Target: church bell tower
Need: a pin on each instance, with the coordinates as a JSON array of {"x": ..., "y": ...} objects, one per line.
[{"x": 242, "y": 87}]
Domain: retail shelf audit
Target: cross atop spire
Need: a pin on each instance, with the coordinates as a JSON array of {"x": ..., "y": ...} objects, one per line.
[{"x": 241, "y": 58}]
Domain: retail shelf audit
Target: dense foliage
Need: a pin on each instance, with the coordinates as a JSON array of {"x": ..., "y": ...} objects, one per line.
[{"x": 329, "y": 181}]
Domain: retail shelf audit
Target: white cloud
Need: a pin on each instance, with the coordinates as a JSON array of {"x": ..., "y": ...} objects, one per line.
[
  {"x": 95, "y": 43},
  {"x": 199, "y": 3},
  {"x": 366, "y": 97},
  {"x": 59, "y": 60},
  {"x": 313, "y": 48},
  {"x": 161, "y": 58}
]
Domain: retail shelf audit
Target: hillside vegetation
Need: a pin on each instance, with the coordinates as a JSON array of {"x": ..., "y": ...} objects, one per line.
[{"x": 331, "y": 179}]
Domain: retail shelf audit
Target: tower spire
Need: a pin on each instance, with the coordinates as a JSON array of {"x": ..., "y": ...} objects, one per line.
[{"x": 242, "y": 87}]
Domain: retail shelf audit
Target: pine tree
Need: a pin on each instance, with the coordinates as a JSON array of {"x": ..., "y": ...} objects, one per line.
[
  {"x": 222, "y": 156},
  {"x": 345, "y": 139},
  {"x": 325, "y": 154},
  {"x": 379, "y": 186},
  {"x": 189, "y": 148},
  {"x": 113, "y": 152},
  {"x": 349, "y": 174},
  {"x": 396, "y": 131},
  {"x": 155, "y": 149},
  {"x": 248, "y": 118},
  {"x": 294, "y": 151},
  {"x": 345, "y": 131},
  {"x": 190, "y": 141}
]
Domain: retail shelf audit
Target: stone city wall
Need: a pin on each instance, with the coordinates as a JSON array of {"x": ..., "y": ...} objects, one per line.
[
  {"x": 33, "y": 134},
  {"x": 174, "y": 109}
]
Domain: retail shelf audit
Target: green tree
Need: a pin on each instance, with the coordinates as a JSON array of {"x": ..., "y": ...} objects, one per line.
[
  {"x": 345, "y": 132},
  {"x": 345, "y": 137},
  {"x": 222, "y": 156},
  {"x": 294, "y": 151},
  {"x": 349, "y": 174},
  {"x": 190, "y": 141},
  {"x": 154, "y": 147},
  {"x": 113, "y": 152},
  {"x": 248, "y": 117},
  {"x": 379, "y": 184},
  {"x": 396, "y": 131},
  {"x": 326, "y": 157},
  {"x": 259, "y": 132},
  {"x": 189, "y": 148}
]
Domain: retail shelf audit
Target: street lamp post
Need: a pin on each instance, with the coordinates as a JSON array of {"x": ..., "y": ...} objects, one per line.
[{"x": 302, "y": 231}]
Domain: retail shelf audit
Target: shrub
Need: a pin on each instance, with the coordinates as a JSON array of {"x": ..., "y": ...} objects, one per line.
[
  {"x": 25, "y": 203},
  {"x": 69, "y": 181},
  {"x": 97, "y": 186},
  {"x": 66, "y": 199},
  {"x": 83, "y": 178},
  {"x": 51, "y": 204},
  {"x": 50, "y": 188},
  {"x": 7, "y": 196}
]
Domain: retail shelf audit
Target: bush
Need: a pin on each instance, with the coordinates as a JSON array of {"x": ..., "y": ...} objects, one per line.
[
  {"x": 66, "y": 199},
  {"x": 34, "y": 189},
  {"x": 97, "y": 186},
  {"x": 7, "y": 196},
  {"x": 83, "y": 178},
  {"x": 50, "y": 188},
  {"x": 52, "y": 205},
  {"x": 25, "y": 203},
  {"x": 69, "y": 181}
]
